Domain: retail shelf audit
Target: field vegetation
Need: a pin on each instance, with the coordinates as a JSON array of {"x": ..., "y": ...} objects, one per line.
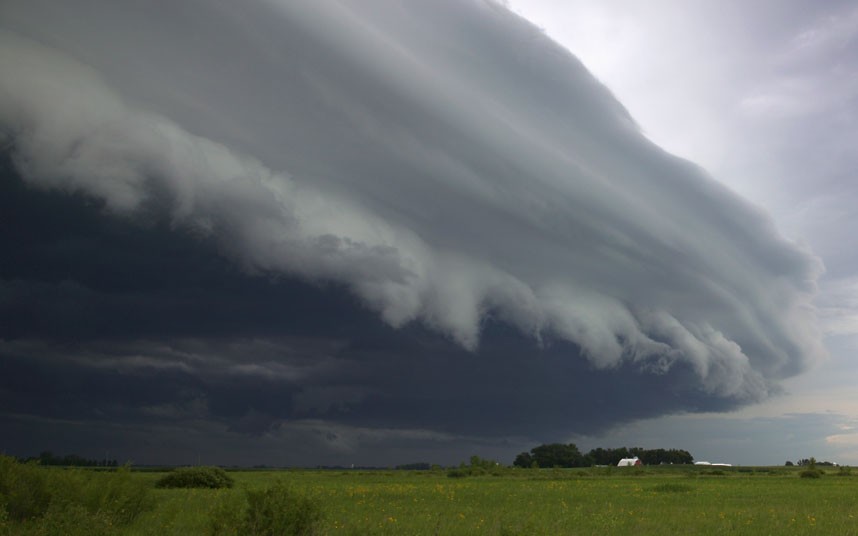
[
  {"x": 196, "y": 477},
  {"x": 486, "y": 499}
]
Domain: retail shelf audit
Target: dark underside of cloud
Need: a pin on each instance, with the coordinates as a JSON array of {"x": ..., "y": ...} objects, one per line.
[
  {"x": 107, "y": 320},
  {"x": 376, "y": 226}
]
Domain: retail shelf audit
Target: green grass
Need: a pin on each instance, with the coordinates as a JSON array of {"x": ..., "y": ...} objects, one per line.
[{"x": 657, "y": 501}]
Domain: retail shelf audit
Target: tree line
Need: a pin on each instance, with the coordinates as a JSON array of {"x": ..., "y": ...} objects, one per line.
[
  {"x": 560, "y": 455},
  {"x": 69, "y": 460},
  {"x": 810, "y": 462}
]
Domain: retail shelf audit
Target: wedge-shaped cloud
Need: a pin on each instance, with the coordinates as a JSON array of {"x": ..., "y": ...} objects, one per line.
[{"x": 444, "y": 160}]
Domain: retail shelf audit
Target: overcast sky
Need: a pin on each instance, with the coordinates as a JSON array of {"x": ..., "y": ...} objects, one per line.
[{"x": 380, "y": 232}]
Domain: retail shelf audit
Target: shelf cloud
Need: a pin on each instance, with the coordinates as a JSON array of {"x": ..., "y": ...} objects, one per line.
[{"x": 449, "y": 174}]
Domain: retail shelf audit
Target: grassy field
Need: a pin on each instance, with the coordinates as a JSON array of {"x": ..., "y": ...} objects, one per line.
[{"x": 657, "y": 500}]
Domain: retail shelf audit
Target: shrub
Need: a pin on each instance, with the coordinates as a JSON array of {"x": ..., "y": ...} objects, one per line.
[
  {"x": 477, "y": 467},
  {"x": 277, "y": 510},
  {"x": 458, "y": 473},
  {"x": 23, "y": 489},
  {"x": 60, "y": 501},
  {"x": 810, "y": 473},
  {"x": 196, "y": 477},
  {"x": 114, "y": 494},
  {"x": 73, "y": 520}
]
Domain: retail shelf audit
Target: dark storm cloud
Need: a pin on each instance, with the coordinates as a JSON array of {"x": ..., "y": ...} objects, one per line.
[
  {"x": 438, "y": 386},
  {"x": 418, "y": 216}
]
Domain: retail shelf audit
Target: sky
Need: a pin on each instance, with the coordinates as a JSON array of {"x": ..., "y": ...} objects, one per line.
[
  {"x": 766, "y": 102},
  {"x": 377, "y": 232}
]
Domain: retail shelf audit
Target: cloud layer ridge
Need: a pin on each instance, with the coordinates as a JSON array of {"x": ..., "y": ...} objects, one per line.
[{"x": 444, "y": 160}]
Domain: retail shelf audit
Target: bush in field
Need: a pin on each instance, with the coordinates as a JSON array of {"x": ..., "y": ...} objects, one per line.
[
  {"x": 24, "y": 490},
  {"x": 68, "y": 501},
  {"x": 478, "y": 467},
  {"x": 196, "y": 477},
  {"x": 277, "y": 510},
  {"x": 810, "y": 473},
  {"x": 458, "y": 473},
  {"x": 73, "y": 520},
  {"x": 114, "y": 494}
]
